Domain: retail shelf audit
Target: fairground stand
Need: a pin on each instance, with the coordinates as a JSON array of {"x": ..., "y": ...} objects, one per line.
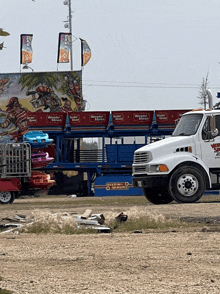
[{"x": 108, "y": 169}]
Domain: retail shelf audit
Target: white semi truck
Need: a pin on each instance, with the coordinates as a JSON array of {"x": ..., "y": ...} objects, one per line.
[{"x": 184, "y": 165}]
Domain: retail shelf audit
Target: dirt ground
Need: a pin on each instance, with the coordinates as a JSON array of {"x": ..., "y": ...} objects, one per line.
[{"x": 171, "y": 261}]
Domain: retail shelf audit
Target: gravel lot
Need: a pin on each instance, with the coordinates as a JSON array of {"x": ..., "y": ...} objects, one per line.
[{"x": 166, "y": 261}]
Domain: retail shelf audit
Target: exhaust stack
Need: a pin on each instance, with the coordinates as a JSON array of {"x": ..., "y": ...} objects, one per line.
[{"x": 209, "y": 93}]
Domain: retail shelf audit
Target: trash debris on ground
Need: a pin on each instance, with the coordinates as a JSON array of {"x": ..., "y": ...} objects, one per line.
[
  {"x": 72, "y": 196},
  {"x": 13, "y": 223},
  {"x": 94, "y": 221},
  {"x": 6, "y": 228},
  {"x": 121, "y": 218},
  {"x": 85, "y": 220},
  {"x": 87, "y": 213},
  {"x": 16, "y": 217}
]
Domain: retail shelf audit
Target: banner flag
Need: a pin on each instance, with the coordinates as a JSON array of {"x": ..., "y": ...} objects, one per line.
[
  {"x": 2, "y": 46},
  {"x": 26, "y": 48},
  {"x": 64, "y": 48},
  {"x": 3, "y": 33},
  {"x": 85, "y": 52}
]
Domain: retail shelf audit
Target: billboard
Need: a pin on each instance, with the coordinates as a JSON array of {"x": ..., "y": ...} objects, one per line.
[{"x": 25, "y": 93}]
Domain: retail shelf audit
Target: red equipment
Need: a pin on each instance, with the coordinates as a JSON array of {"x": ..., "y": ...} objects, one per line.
[{"x": 40, "y": 180}]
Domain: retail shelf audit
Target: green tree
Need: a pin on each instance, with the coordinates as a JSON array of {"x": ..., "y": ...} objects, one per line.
[
  {"x": 203, "y": 94},
  {"x": 33, "y": 80},
  {"x": 90, "y": 145}
]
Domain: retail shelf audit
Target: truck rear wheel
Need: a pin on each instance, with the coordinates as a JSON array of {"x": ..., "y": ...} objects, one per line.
[
  {"x": 187, "y": 185},
  {"x": 157, "y": 195},
  {"x": 7, "y": 197}
]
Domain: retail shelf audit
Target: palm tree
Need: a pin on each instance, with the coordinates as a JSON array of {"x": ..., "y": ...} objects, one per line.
[{"x": 33, "y": 80}]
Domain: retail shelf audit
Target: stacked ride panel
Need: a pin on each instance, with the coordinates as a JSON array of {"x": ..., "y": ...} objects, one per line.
[{"x": 39, "y": 159}]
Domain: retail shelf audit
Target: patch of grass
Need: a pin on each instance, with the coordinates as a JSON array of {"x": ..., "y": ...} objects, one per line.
[
  {"x": 145, "y": 223},
  {"x": 62, "y": 201},
  {"x": 68, "y": 229},
  {"x": 4, "y": 291},
  {"x": 55, "y": 228},
  {"x": 38, "y": 228},
  {"x": 52, "y": 202}
]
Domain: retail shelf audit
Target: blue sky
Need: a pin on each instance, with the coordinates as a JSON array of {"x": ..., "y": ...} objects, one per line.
[{"x": 145, "y": 54}]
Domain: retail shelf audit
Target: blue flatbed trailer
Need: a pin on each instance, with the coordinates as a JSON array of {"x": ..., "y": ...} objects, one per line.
[{"x": 112, "y": 160}]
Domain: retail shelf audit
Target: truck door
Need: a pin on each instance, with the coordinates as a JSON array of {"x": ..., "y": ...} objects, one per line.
[{"x": 210, "y": 145}]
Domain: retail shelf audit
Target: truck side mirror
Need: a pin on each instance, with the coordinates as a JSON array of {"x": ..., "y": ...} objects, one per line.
[
  {"x": 214, "y": 130},
  {"x": 214, "y": 133},
  {"x": 209, "y": 131}
]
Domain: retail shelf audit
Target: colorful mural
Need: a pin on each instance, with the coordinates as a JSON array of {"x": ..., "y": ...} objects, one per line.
[{"x": 22, "y": 93}]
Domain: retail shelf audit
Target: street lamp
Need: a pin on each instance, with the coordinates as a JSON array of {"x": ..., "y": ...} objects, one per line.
[
  {"x": 68, "y": 24},
  {"x": 27, "y": 67}
]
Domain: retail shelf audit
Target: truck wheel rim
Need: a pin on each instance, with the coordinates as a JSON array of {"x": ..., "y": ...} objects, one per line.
[
  {"x": 5, "y": 196},
  {"x": 187, "y": 185}
]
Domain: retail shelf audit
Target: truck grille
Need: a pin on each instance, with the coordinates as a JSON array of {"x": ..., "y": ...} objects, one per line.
[
  {"x": 142, "y": 157},
  {"x": 139, "y": 169}
]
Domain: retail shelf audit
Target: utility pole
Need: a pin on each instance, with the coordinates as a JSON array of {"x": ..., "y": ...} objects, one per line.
[{"x": 69, "y": 25}]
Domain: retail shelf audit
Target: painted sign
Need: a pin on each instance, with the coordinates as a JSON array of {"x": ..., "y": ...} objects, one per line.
[
  {"x": 89, "y": 118},
  {"x": 117, "y": 186},
  {"x": 169, "y": 116},
  {"x": 22, "y": 95},
  {"x": 216, "y": 148},
  {"x": 46, "y": 119},
  {"x": 137, "y": 117}
]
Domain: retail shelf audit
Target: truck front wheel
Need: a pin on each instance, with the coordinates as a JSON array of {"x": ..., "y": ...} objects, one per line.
[
  {"x": 186, "y": 185},
  {"x": 7, "y": 197},
  {"x": 157, "y": 195}
]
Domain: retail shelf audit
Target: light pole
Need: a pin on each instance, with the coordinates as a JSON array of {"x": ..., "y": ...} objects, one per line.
[{"x": 69, "y": 25}]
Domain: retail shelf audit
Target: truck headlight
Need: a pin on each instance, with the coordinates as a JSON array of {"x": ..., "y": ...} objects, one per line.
[{"x": 158, "y": 168}]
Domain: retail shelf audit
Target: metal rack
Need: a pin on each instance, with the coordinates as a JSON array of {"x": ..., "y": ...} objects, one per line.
[{"x": 15, "y": 160}]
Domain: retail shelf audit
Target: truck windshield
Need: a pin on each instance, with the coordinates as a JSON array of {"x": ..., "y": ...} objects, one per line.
[{"x": 188, "y": 125}]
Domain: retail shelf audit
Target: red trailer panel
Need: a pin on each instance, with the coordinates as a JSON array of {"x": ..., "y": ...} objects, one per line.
[
  {"x": 42, "y": 119},
  {"x": 12, "y": 184},
  {"x": 169, "y": 117},
  {"x": 89, "y": 118},
  {"x": 137, "y": 117}
]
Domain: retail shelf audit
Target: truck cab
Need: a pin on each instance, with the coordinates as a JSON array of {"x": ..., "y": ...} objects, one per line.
[{"x": 184, "y": 165}]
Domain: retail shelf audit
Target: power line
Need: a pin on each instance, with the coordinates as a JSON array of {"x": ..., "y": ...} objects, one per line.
[
  {"x": 146, "y": 85},
  {"x": 116, "y": 82},
  {"x": 139, "y": 86}
]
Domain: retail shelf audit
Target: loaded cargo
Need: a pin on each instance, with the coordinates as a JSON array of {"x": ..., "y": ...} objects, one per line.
[{"x": 46, "y": 111}]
